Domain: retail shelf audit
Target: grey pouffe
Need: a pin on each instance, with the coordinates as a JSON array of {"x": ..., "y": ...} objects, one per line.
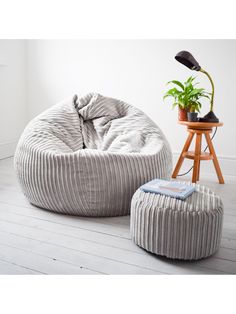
[{"x": 189, "y": 229}]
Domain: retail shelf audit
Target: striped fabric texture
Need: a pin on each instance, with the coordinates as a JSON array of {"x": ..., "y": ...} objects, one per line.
[
  {"x": 189, "y": 229},
  {"x": 87, "y": 156}
]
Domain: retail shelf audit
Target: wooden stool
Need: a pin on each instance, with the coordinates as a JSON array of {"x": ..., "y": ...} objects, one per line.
[{"x": 199, "y": 128}]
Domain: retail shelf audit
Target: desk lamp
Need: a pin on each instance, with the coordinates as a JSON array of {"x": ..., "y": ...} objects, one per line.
[{"x": 187, "y": 59}]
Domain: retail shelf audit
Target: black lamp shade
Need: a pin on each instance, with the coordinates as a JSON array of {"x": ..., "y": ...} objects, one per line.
[{"x": 188, "y": 60}]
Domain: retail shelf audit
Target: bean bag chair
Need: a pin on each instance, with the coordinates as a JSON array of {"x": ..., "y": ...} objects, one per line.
[{"x": 87, "y": 156}]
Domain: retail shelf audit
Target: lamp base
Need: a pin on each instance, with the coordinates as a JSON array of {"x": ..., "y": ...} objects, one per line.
[{"x": 209, "y": 117}]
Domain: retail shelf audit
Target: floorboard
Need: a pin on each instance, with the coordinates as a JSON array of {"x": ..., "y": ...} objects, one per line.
[{"x": 36, "y": 241}]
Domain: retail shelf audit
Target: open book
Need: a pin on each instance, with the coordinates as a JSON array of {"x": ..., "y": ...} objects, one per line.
[{"x": 169, "y": 188}]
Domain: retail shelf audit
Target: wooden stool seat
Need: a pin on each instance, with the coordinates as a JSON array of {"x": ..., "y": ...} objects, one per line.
[{"x": 198, "y": 129}]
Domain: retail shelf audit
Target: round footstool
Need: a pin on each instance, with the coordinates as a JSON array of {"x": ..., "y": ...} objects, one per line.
[{"x": 189, "y": 229}]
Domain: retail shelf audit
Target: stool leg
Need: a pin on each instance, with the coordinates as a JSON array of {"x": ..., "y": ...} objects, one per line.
[
  {"x": 215, "y": 160},
  {"x": 181, "y": 158},
  {"x": 198, "y": 172},
  {"x": 196, "y": 164}
]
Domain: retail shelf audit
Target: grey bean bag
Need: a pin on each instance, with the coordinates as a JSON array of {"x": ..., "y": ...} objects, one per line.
[{"x": 87, "y": 156}]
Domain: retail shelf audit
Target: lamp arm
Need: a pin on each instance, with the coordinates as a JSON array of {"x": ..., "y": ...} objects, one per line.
[{"x": 212, "y": 85}]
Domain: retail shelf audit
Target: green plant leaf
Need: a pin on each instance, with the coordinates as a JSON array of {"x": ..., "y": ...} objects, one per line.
[
  {"x": 190, "y": 79},
  {"x": 165, "y": 96},
  {"x": 188, "y": 96},
  {"x": 196, "y": 91},
  {"x": 175, "y": 104},
  {"x": 206, "y": 96},
  {"x": 177, "y": 83},
  {"x": 173, "y": 92}
]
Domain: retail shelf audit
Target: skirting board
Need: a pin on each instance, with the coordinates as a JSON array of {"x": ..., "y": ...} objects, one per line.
[
  {"x": 227, "y": 165},
  {"x": 7, "y": 149}
]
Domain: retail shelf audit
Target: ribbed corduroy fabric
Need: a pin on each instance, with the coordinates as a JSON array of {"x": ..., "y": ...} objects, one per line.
[
  {"x": 189, "y": 229},
  {"x": 87, "y": 156}
]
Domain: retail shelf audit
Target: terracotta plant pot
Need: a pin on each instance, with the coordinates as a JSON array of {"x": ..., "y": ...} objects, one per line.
[{"x": 183, "y": 114}]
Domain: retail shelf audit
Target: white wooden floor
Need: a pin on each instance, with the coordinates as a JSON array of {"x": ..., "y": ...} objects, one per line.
[{"x": 35, "y": 241}]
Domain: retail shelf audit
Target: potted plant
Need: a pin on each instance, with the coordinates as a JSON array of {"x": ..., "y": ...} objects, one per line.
[{"x": 186, "y": 97}]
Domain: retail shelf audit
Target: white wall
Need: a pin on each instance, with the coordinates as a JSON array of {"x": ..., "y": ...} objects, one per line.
[
  {"x": 13, "y": 107},
  {"x": 38, "y": 73},
  {"x": 136, "y": 71}
]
